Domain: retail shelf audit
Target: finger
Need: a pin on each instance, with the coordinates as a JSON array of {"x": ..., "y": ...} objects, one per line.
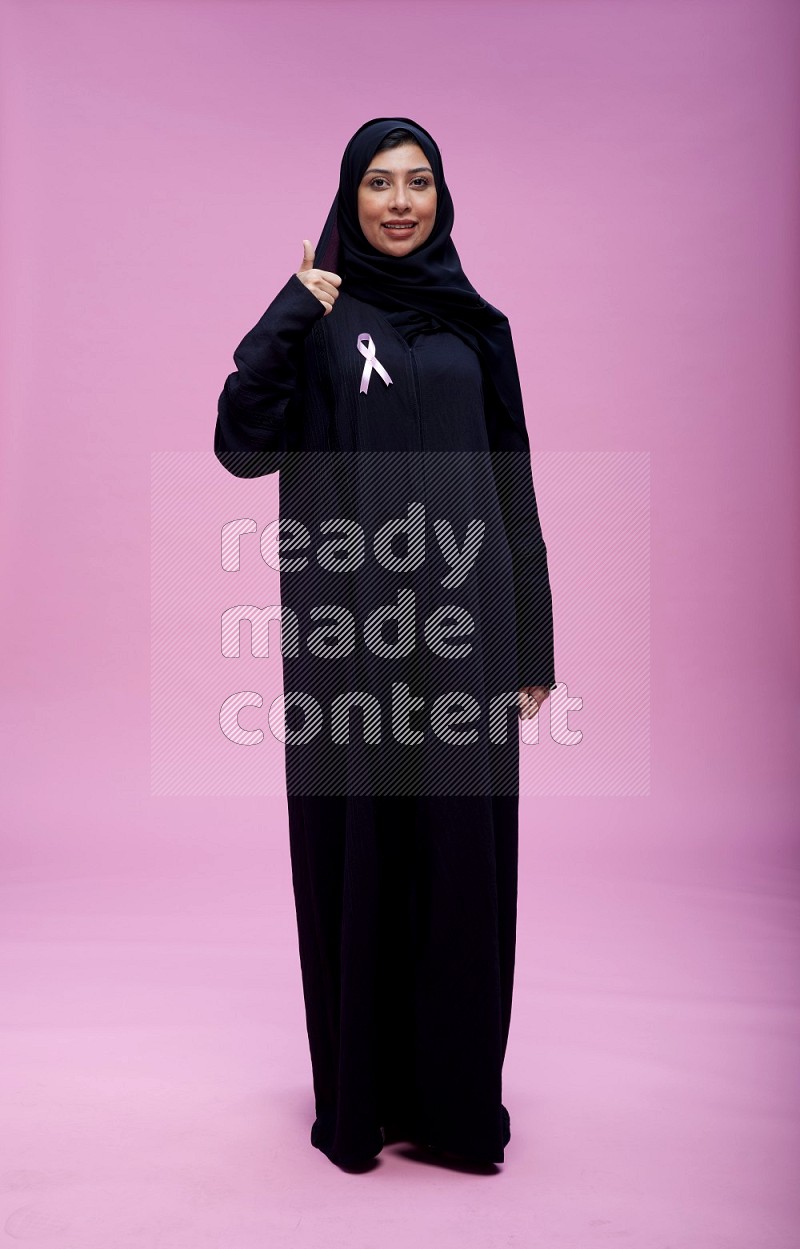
[
  {"x": 330, "y": 277},
  {"x": 321, "y": 286},
  {"x": 308, "y": 256}
]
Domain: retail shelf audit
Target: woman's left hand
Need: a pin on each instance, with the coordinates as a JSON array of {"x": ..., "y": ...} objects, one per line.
[{"x": 531, "y": 698}]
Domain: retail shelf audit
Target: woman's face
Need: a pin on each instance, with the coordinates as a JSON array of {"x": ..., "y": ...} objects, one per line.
[{"x": 397, "y": 200}]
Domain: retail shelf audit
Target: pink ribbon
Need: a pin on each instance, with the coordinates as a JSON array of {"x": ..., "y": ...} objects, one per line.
[{"x": 371, "y": 362}]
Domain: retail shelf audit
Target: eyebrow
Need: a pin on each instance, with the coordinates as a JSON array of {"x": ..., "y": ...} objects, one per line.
[{"x": 419, "y": 169}]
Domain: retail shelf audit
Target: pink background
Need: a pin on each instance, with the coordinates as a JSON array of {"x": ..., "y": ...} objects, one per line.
[{"x": 626, "y": 189}]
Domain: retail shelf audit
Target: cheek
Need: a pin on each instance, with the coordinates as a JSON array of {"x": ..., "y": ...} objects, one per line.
[{"x": 365, "y": 212}]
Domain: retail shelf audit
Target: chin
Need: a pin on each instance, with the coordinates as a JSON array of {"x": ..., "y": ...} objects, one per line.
[{"x": 405, "y": 250}]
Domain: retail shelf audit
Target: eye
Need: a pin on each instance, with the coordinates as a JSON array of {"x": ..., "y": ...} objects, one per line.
[{"x": 421, "y": 182}]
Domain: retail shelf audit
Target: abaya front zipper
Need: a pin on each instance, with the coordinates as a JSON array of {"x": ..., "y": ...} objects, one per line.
[
  {"x": 418, "y": 394},
  {"x": 417, "y": 391}
]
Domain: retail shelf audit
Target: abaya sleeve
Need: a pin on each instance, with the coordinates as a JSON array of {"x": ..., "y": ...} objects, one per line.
[
  {"x": 510, "y": 452},
  {"x": 261, "y": 400},
  {"x": 534, "y": 604}
]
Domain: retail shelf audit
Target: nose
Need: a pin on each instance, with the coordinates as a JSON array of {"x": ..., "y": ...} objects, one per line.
[{"x": 400, "y": 200}]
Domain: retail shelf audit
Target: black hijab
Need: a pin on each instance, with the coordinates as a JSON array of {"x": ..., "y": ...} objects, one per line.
[{"x": 427, "y": 289}]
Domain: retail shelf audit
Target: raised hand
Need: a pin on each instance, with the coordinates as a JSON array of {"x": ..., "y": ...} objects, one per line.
[{"x": 320, "y": 282}]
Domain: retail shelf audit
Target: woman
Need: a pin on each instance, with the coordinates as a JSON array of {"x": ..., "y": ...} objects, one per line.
[{"x": 386, "y": 391}]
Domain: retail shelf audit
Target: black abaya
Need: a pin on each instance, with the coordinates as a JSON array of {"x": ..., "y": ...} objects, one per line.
[{"x": 405, "y": 902}]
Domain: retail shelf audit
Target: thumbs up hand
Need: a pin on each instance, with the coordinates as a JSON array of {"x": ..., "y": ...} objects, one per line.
[
  {"x": 319, "y": 281},
  {"x": 531, "y": 698}
]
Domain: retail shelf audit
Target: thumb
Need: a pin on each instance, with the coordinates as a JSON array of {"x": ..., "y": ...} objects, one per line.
[{"x": 308, "y": 256}]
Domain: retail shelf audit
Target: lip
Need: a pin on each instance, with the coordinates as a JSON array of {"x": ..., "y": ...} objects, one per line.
[{"x": 406, "y": 224}]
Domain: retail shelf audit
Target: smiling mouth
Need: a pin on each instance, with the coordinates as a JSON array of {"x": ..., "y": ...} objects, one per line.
[{"x": 397, "y": 228}]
